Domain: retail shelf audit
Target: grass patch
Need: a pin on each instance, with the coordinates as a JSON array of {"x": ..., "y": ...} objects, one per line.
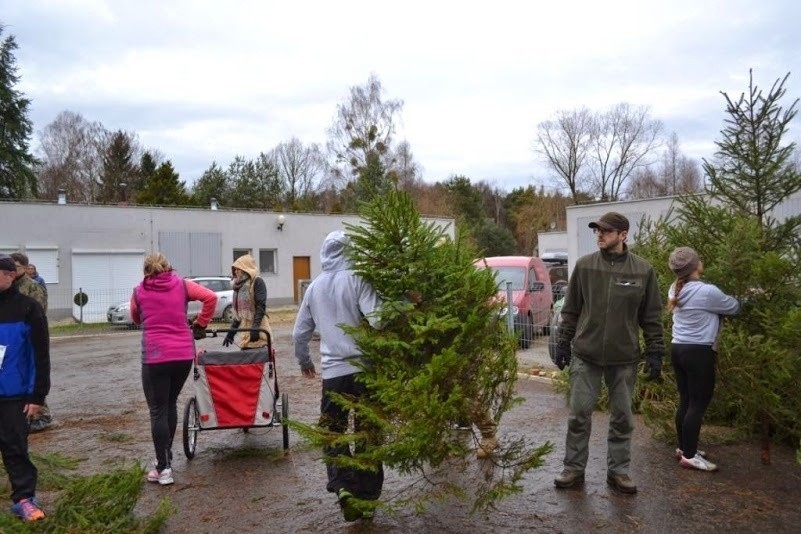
[
  {"x": 99, "y": 503},
  {"x": 77, "y": 329},
  {"x": 117, "y": 437}
]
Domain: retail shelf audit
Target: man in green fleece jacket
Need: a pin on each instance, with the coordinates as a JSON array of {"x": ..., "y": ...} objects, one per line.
[{"x": 612, "y": 294}]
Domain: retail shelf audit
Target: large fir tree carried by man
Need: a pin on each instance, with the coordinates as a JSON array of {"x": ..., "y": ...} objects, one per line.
[{"x": 442, "y": 353}]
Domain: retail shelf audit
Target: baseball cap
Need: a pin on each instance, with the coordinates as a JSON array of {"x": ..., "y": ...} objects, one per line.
[
  {"x": 7, "y": 263},
  {"x": 611, "y": 221}
]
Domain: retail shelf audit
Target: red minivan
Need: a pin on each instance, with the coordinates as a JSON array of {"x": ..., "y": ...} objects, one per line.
[{"x": 532, "y": 298}]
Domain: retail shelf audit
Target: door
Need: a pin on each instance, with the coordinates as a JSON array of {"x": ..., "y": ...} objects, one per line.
[
  {"x": 107, "y": 279},
  {"x": 301, "y": 270}
]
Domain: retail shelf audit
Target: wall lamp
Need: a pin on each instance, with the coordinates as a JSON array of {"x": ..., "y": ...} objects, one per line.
[{"x": 280, "y": 220}]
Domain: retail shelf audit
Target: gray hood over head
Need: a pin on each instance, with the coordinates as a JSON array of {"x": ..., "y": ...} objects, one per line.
[{"x": 332, "y": 253}]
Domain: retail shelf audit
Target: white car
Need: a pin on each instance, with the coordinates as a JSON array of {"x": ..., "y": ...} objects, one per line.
[{"x": 221, "y": 285}]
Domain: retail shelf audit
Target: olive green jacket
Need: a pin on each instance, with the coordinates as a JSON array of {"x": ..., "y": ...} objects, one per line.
[
  {"x": 610, "y": 297},
  {"x": 31, "y": 288}
]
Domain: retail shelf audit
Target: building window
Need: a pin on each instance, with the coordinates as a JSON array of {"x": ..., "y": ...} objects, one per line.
[
  {"x": 267, "y": 260},
  {"x": 239, "y": 252}
]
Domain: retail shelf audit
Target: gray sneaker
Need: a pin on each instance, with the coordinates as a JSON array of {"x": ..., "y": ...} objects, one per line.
[
  {"x": 622, "y": 483},
  {"x": 37, "y": 425},
  {"x": 568, "y": 478}
]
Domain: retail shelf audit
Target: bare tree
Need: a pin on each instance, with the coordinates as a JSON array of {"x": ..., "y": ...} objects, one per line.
[
  {"x": 564, "y": 143},
  {"x": 623, "y": 139},
  {"x": 71, "y": 151},
  {"x": 406, "y": 171},
  {"x": 300, "y": 167},
  {"x": 674, "y": 174},
  {"x": 360, "y": 138}
]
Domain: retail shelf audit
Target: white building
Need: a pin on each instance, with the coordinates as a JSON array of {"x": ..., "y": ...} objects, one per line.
[
  {"x": 580, "y": 239},
  {"x": 99, "y": 250}
]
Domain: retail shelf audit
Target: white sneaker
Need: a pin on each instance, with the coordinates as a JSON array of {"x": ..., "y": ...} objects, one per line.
[
  {"x": 680, "y": 453},
  {"x": 698, "y": 462},
  {"x": 165, "y": 477}
]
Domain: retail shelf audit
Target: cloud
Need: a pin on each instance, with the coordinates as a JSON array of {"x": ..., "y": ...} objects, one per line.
[{"x": 202, "y": 81}]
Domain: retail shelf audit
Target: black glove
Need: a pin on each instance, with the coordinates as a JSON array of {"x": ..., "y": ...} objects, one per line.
[
  {"x": 228, "y": 339},
  {"x": 653, "y": 365},
  {"x": 254, "y": 336},
  {"x": 198, "y": 332},
  {"x": 562, "y": 355}
]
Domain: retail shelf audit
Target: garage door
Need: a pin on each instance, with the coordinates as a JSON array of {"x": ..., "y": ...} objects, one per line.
[{"x": 106, "y": 277}]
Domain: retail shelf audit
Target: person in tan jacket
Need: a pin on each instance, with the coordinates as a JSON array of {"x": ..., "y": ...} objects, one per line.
[{"x": 250, "y": 305}]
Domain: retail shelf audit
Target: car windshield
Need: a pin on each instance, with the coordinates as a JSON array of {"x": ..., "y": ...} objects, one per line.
[{"x": 516, "y": 275}]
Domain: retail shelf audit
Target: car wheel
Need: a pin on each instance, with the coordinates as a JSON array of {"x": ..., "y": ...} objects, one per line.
[{"x": 228, "y": 314}]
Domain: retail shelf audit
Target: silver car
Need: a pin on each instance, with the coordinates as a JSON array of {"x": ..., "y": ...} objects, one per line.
[{"x": 221, "y": 285}]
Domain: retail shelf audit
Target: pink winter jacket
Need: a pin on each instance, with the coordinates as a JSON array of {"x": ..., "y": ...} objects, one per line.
[{"x": 159, "y": 305}]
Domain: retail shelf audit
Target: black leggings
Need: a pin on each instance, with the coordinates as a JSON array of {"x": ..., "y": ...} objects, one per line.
[
  {"x": 162, "y": 383},
  {"x": 695, "y": 377}
]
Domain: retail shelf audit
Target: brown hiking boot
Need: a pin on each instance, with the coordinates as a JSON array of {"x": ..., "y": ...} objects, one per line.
[
  {"x": 487, "y": 447},
  {"x": 622, "y": 483},
  {"x": 568, "y": 478}
]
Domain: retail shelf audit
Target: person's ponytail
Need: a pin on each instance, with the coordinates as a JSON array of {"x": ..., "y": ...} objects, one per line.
[{"x": 673, "y": 302}]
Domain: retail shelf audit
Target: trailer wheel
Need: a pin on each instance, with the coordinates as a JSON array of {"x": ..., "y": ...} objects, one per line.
[{"x": 191, "y": 427}]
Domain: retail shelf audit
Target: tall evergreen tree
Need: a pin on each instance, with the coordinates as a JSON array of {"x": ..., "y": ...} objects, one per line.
[
  {"x": 163, "y": 188},
  {"x": 754, "y": 168},
  {"x": 750, "y": 253},
  {"x": 213, "y": 183},
  {"x": 119, "y": 167},
  {"x": 17, "y": 179}
]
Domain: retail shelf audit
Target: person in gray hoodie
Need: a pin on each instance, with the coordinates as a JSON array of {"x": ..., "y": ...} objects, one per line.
[
  {"x": 696, "y": 307},
  {"x": 338, "y": 296}
]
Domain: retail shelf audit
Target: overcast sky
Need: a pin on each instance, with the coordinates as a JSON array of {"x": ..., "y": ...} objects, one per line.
[{"x": 203, "y": 81}]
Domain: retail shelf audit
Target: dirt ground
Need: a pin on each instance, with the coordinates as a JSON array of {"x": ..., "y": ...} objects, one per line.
[{"x": 244, "y": 483}]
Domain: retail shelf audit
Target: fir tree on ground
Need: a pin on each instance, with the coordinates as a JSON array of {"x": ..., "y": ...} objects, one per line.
[{"x": 748, "y": 252}]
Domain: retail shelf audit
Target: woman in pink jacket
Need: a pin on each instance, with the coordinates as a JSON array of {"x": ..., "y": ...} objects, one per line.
[{"x": 168, "y": 348}]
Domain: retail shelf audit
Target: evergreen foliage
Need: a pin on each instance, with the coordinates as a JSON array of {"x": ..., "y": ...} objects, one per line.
[
  {"x": 750, "y": 254},
  {"x": 494, "y": 240},
  {"x": 441, "y": 354},
  {"x": 17, "y": 179},
  {"x": 119, "y": 167},
  {"x": 213, "y": 183},
  {"x": 163, "y": 188}
]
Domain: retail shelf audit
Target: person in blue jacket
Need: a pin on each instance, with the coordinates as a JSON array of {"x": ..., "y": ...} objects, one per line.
[
  {"x": 24, "y": 385},
  {"x": 696, "y": 307}
]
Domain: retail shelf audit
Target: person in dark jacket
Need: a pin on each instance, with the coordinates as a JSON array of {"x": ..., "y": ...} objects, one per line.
[
  {"x": 27, "y": 285},
  {"x": 34, "y": 275},
  {"x": 612, "y": 295},
  {"x": 24, "y": 385}
]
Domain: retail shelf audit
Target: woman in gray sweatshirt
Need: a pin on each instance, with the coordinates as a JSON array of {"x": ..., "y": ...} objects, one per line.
[{"x": 696, "y": 307}]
